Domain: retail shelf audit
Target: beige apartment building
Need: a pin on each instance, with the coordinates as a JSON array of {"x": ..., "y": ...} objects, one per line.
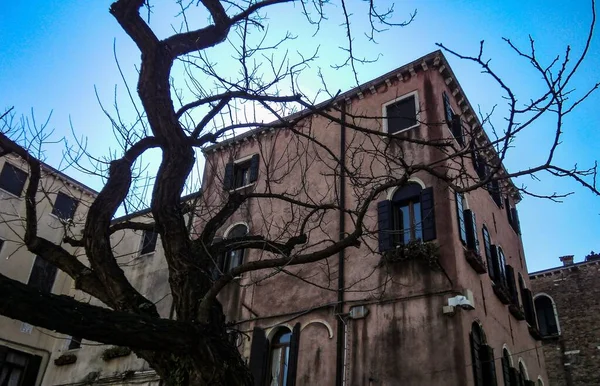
[
  {"x": 26, "y": 350},
  {"x": 437, "y": 294}
]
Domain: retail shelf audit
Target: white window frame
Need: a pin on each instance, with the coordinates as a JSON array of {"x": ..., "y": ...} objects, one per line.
[
  {"x": 553, "y": 308},
  {"x": 414, "y": 94}
]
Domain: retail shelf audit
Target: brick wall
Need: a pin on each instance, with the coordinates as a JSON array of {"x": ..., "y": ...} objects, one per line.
[{"x": 573, "y": 359}]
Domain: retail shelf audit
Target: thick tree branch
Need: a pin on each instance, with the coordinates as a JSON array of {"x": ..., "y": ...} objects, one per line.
[{"x": 66, "y": 315}]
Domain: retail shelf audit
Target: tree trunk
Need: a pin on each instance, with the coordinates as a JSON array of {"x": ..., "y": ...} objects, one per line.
[{"x": 216, "y": 363}]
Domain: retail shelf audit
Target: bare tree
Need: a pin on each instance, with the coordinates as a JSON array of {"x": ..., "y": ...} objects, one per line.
[{"x": 195, "y": 349}]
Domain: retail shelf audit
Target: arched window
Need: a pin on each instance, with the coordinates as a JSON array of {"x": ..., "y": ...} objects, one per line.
[
  {"x": 523, "y": 371},
  {"x": 279, "y": 358},
  {"x": 506, "y": 362},
  {"x": 235, "y": 257},
  {"x": 274, "y": 361},
  {"x": 477, "y": 341},
  {"x": 540, "y": 382},
  {"x": 407, "y": 214},
  {"x": 546, "y": 315}
]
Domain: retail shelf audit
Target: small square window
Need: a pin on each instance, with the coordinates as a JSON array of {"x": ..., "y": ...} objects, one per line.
[
  {"x": 12, "y": 179},
  {"x": 401, "y": 114},
  {"x": 64, "y": 206},
  {"x": 148, "y": 242}
]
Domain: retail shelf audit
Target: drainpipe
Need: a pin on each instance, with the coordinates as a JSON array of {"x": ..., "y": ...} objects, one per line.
[{"x": 341, "y": 326}]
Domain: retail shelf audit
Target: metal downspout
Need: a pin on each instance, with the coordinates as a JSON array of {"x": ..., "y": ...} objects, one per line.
[{"x": 341, "y": 326}]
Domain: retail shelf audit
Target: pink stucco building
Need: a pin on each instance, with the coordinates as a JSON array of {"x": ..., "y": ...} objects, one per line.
[{"x": 388, "y": 310}]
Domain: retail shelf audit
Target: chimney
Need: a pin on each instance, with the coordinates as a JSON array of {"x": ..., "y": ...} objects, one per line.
[{"x": 567, "y": 260}]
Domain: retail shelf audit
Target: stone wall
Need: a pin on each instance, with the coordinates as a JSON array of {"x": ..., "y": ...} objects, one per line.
[{"x": 573, "y": 358}]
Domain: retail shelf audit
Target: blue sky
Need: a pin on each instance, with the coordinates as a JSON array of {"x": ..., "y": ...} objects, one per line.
[{"x": 55, "y": 54}]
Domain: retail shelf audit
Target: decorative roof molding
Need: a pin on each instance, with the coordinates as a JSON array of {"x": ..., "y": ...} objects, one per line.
[{"x": 435, "y": 59}]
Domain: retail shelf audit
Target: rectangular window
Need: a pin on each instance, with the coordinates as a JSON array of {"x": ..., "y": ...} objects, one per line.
[
  {"x": 148, "y": 242},
  {"x": 241, "y": 173},
  {"x": 42, "y": 275},
  {"x": 64, "y": 206},
  {"x": 18, "y": 368},
  {"x": 12, "y": 179},
  {"x": 401, "y": 114}
]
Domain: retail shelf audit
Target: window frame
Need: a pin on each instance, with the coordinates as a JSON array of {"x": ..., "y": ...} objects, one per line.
[
  {"x": 48, "y": 264},
  {"x": 384, "y": 115},
  {"x": 461, "y": 206},
  {"x": 143, "y": 242},
  {"x": 410, "y": 202},
  {"x": 227, "y": 260},
  {"x": 234, "y": 164},
  {"x": 236, "y": 168},
  {"x": 554, "y": 313},
  {"x": 284, "y": 356},
  {"x": 57, "y": 213},
  {"x": 74, "y": 343},
  {"x": 9, "y": 164}
]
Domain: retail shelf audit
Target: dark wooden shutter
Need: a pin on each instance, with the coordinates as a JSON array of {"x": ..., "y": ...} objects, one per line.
[
  {"x": 514, "y": 376},
  {"x": 428, "y": 214},
  {"x": 457, "y": 129},
  {"x": 476, "y": 360},
  {"x": 508, "y": 212},
  {"x": 254, "y": 164},
  {"x": 42, "y": 275},
  {"x": 447, "y": 108},
  {"x": 471, "y": 230},
  {"x": 498, "y": 270},
  {"x": 228, "y": 177},
  {"x": 506, "y": 371},
  {"x": 516, "y": 224},
  {"x": 32, "y": 370},
  {"x": 489, "y": 366},
  {"x": 494, "y": 190},
  {"x": 492, "y": 259},
  {"x": 219, "y": 260},
  {"x": 528, "y": 307},
  {"x": 259, "y": 356},
  {"x": 512, "y": 285},
  {"x": 462, "y": 232},
  {"x": 479, "y": 164},
  {"x": 529, "y": 383},
  {"x": 385, "y": 223},
  {"x": 3, "y": 352},
  {"x": 293, "y": 359}
]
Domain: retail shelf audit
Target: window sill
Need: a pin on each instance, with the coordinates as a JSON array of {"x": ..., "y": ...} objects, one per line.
[
  {"x": 475, "y": 261},
  {"x": 418, "y": 125},
  {"x": 9, "y": 194},
  {"x": 59, "y": 219},
  {"x": 535, "y": 334},
  {"x": 516, "y": 311},
  {"x": 501, "y": 293},
  {"x": 242, "y": 187},
  {"x": 550, "y": 337}
]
